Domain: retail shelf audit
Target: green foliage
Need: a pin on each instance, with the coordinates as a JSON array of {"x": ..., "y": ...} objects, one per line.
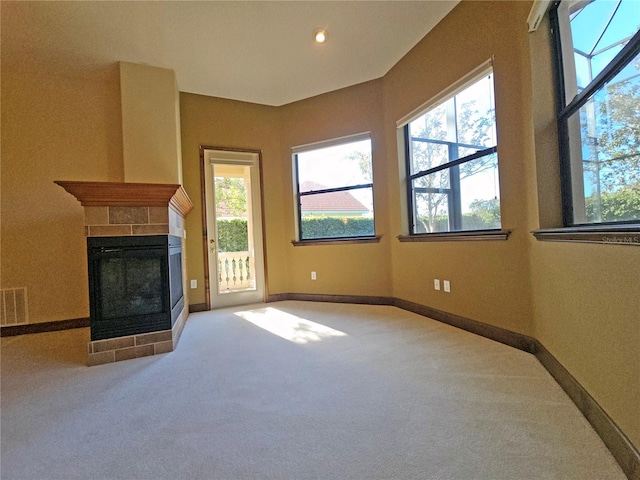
[
  {"x": 471, "y": 221},
  {"x": 618, "y": 141},
  {"x": 231, "y": 196},
  {"x": 332, "y": 227},
  {"x": 232, "y": 235},
  {"x": 619, "y": 206},
  {"x": 611, "y": 152},
  {"x": 483, "y": 215},
  {"x": 487, "y": 211},
  {"x": 473, "y": 126}
]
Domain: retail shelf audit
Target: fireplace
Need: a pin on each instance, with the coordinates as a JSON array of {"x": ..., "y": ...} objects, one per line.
[
  {"x": 135, "y": 233},
  {"x": 135, "y": 284}
]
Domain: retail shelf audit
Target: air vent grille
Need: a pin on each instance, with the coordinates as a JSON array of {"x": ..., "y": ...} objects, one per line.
[{"x": 13, "y": 306}]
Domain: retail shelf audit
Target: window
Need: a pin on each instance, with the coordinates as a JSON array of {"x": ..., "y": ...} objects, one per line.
[
  {"x": 452, "y": 162},
  {"x": 334, "y": 189},
  {"x": 597, "y": 48}
]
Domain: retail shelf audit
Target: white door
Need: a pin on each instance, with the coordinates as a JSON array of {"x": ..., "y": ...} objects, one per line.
[{"x": 234, "y": 227}]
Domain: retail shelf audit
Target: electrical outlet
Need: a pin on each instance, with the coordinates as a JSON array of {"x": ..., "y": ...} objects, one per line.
[
  {"x": 436, "y": 284},
  {"x": 447, "y": 286},
  {"x": 313, "y": 275},
  {"x": 194, "y": 283}
]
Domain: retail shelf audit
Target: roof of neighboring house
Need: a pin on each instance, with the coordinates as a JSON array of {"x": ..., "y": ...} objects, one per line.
[{"x": 329, "y": 202}]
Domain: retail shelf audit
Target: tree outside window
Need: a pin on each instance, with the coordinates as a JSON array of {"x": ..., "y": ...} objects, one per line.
[
  {"x": 452, "y": 164},
  {"x": 598, "y": 46}
]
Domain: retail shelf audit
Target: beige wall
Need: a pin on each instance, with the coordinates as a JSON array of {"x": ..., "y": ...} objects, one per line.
[
  {"x": 150, "y": 124},
  {"x": 586, "y": 297},
  {"x": 351, "y": 269},
  {"x": 341, "y": 269},
  {"x": 586, "y": 302},
  {"x": 56, "y": 125},
  {"x": 490, "y": 280},
  {"x": 580, "y": 301},
  {"x": 216, "y": 122}
]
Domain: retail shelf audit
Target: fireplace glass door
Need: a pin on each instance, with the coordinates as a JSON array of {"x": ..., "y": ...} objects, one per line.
[
  {"x": 131, "y": 285},
  {"x": 135, "y": 284}
]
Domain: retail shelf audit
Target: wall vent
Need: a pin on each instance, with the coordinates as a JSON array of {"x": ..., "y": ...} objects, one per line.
[{"x": 13, "y": 306}]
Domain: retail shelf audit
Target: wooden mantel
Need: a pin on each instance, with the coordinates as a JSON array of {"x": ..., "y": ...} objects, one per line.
[{"x": 94, "y": 194}]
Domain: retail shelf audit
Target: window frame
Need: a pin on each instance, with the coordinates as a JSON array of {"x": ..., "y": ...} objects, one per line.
[
  {"x": 564, "y": 111},
  {"x": 454, "y": 175},
  {"x": 295, "y": 151},
  {"x": 404, "y": 136}
]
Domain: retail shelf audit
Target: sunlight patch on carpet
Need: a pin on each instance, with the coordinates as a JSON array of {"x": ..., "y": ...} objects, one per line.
[{"x": 288, "y": 326}]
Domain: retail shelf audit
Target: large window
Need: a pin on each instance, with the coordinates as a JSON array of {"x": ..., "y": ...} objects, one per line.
[
  {"x": 597, "y": 45},
  {"x": 334, "y": 189},
  {"x": 452, "y": 162}
]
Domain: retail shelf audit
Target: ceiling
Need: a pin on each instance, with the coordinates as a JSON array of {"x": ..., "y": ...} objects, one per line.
[{"x": 255, "y": 51}]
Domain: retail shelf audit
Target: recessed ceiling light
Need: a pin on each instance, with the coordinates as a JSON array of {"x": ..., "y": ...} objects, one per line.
[{"x": 320, "y": 35}]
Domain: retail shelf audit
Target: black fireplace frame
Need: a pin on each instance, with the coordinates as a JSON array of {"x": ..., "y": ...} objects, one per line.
[{"x": 167, "y": 249}]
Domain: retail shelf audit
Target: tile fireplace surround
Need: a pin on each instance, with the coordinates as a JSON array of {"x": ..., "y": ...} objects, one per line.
[{"x": 117, "y": 209}]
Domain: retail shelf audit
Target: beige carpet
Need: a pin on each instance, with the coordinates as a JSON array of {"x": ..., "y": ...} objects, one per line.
[{"x": 293, "y": 390}]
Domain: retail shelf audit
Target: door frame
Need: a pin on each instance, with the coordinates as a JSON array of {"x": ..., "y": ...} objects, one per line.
[{"x": 203, "y": 192}]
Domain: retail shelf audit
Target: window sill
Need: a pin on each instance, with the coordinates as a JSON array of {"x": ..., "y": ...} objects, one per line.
[
  {"x": 603, "y": 234},
  {"x": 473, "y": 235},
  {"x": 336, "y": 241}
]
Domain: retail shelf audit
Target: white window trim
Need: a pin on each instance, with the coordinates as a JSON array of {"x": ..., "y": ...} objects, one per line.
[
  {"x": 472, "y": 77},
  {"x": 356, "y": 137},
  {"x": 452, "y": 90},
  {"x": 538, "y": 11}
]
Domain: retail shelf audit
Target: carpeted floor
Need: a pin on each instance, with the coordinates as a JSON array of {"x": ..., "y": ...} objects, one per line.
[{"x": 293, "y": 390}]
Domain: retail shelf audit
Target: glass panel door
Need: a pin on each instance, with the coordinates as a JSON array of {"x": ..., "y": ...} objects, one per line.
[
  {"x": 234, "y": 243},
  {"x": 234, "y": 228}
]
